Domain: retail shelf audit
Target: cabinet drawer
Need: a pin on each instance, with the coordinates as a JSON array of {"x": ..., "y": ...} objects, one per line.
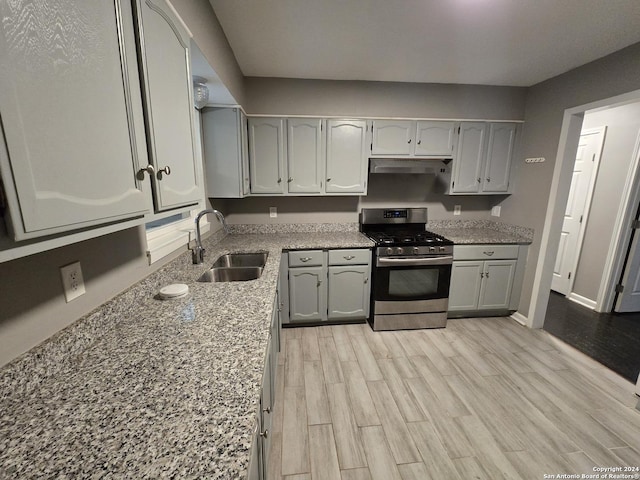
[
  {"x": 358, "y": 256},
  {"x": 484, "y": 252},
  {"x": 305, "y": 258}
]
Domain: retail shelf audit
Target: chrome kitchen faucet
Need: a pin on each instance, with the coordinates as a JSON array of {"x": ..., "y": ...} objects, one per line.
[{"x": 197, "y": 254}]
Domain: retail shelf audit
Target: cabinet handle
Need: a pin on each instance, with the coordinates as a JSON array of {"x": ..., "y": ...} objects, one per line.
[
  {"x": 328, "y": 180},
  {"x": 264, "y": 434},
  {"x": 486, "y": 275},
  {"x": 478, "y": 179},
  {"x": 166, "y": 170},
  {"x": 290, "y": 179},
  {"x": 279, "y": 180},
  {"x": 419, "y": 142},
  {"x": 489, "y": 253},
  {"x": 319, "y": 283},
  {"x": 148, "y": 169},
  {"x": 349, "y": 257},
  {"x": 267, "y": 410},
  {"x": 305, "y": 259},
  {"x": 409, "y": 141},
  {"x": 366, "y": 280},
  {"x": 481, "y": 274},
  {"x": 488, "y": 179}
]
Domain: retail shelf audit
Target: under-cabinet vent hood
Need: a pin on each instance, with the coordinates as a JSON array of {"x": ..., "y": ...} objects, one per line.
[{"x": 404, "y": 165}]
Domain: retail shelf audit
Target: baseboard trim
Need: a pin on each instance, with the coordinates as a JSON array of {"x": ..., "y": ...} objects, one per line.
[
  {"x": 584, "y": 301},
  {"x": 520, "y": 318}
]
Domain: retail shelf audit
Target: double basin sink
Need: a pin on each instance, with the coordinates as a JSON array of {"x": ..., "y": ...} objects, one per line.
[{"x": 236, "y": 267}]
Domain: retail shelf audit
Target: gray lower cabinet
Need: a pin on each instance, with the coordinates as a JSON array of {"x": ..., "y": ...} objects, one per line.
[
  {"x": 480, "y": 285},
  {"x": 332, "y": 285},
  {"x": 261, "y": 442}
]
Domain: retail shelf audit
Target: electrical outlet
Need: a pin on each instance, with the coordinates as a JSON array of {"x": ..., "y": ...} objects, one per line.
[
  {"x": 457, "y": 209},
  {"x": 72, "y": 281},
  {"x": 495, "y": 211},
  {"x": 273, "y": 212}
]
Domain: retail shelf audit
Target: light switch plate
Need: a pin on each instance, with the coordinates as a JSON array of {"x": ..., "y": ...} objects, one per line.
[
  {"x": 72, "y": 281},
  {"x": 273, "y": 212},
  {"x": 457, "y": 209},
  {"x": 495, "y": 211}
]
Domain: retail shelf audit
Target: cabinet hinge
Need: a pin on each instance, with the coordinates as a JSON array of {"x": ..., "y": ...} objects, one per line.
[
  {"x": 372, "y": 146},
  {"x": 458, "y": 130},
  {"x": 580, "y": 218},
  {"x": 619, "y": 288},
  {"x": 569, "y": 276},
  {"x": 593, "y": 159},
  {"x": 453, "y": 184},
  {"x": 635, "y": 224}
]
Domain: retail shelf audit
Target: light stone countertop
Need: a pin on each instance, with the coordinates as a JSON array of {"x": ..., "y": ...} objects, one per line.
[
  {"x": 481, "y": 232},
  {"x": 145, "y": 388}
]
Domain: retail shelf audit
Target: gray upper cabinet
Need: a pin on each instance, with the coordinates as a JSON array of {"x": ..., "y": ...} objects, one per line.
[
  {"x": 467, "y": 170},
  {"x": 393, "y": 137},
  {"x": 485, "y": 152},
  {"x": 409, "y": 138},
  {"x": 502, "y": 138},
  {"x": 435, "y": 139},
  {"x": 226, "y": 154},
  {"x": 347, "y": 157},
  {"x": 164, "y": 51},
  {"x": 71, "y": 115},
  {"x": 267, "y": 155},
  {"x": 305, "y": 155}
]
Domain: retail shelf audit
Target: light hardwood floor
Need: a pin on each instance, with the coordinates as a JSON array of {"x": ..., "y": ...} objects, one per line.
[{"x": 483, "y": 399}]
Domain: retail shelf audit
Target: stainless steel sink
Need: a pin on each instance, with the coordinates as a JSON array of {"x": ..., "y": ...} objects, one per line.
[
  {"x": 231, "y": 274},
  {"x": 254, "y": 259}
]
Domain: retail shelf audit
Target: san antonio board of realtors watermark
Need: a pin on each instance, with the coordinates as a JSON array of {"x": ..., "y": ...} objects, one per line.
[{"x": 600, "y": 473}]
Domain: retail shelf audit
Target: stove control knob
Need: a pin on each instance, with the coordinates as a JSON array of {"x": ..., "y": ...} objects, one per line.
[
  {"x": 389, "y": 251},
  {"x": 416, "y": 250},
  {"x": 399, "y": 250},
  {"x": 442, "y": 249},
  {"x": 432, "y": 249}
]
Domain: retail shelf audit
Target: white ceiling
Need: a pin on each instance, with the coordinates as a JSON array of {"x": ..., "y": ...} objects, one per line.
[{"x": 489, "y": 42}]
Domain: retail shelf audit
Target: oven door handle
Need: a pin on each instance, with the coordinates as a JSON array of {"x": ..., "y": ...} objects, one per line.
[{"x": 409, "y": 261}]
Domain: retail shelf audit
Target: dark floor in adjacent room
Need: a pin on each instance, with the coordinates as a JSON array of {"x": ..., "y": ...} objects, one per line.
[{"x": 612, "y": 339}]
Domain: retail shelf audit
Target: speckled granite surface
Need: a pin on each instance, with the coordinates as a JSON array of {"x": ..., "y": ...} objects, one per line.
[
  {"x": 480, "y": 231},
  {"x": 145, "y": 388},
  {"x": 295, "y": 228}
]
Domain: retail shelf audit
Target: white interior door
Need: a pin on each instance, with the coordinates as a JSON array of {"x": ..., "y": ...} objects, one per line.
[
  {"x": 629, "y": 299},
  {"x": 583, "y": 180}
]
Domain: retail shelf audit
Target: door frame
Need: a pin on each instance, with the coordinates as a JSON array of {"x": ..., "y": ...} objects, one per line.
[
  {"x": 602, "y": 132},
  {"x": 557, "y": 203}
]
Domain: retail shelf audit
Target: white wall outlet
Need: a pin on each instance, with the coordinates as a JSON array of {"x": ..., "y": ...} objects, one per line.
[
  {"x": 457, "y": 209},
  {"x": 534, "y": 160},
  {"x": 495, "y": 211},
  {"x": 273, "y": 212},
  {"x": 72, "y": 281}
]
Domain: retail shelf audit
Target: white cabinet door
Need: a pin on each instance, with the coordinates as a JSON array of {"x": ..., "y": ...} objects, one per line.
[
  {"x": 266, "y": 155},
  {"x": 501, "y": 143},
  {"x": 305, "y": 159},
  {"x": 435, "y": 139},
  {"x": 348, "y": 292},
  {"x": 496, "y": 285},
  {"x": 467, "y": 166},
  {"x": 307, "y": 294},
  {"x": 347, "y": 157},
  {"x": 393, "y": 137},
  {"x": 71, "y": 116},
  {"x": 164, "y": 47},
  {"x": 225, "y": 152},
  {"x": 466, "y": 281}
]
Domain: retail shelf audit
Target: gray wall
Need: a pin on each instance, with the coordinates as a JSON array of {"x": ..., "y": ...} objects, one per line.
[
  {"x": 208, "y": 34},
  {"x": 623, "y": 124},
  {"x": 281, "y": 96},
  {"x": 384, "y": 190},
  {"x": 545, "y": 105}
]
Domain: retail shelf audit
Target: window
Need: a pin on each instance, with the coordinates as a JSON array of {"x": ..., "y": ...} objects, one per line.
[{"x": 168, "y": 234}]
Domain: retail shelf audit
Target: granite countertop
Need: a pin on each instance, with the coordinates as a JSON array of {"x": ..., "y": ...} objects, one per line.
[
  {"x": 145, "y": 388},
  {"x": 482, "y": 232}
]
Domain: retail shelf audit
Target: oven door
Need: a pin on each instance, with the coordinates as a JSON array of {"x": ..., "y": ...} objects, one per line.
[{"x": 411, "y": 284}]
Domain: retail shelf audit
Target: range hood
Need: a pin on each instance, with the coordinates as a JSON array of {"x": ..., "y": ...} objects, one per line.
[{"x": 407, "y": 165}]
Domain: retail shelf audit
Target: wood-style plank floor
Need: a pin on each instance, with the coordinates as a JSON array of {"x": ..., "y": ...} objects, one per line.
[{"x": 482, "y": 398}]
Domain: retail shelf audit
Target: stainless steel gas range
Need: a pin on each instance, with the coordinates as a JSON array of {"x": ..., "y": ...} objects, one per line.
[{"x": 411, "y": 269}]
